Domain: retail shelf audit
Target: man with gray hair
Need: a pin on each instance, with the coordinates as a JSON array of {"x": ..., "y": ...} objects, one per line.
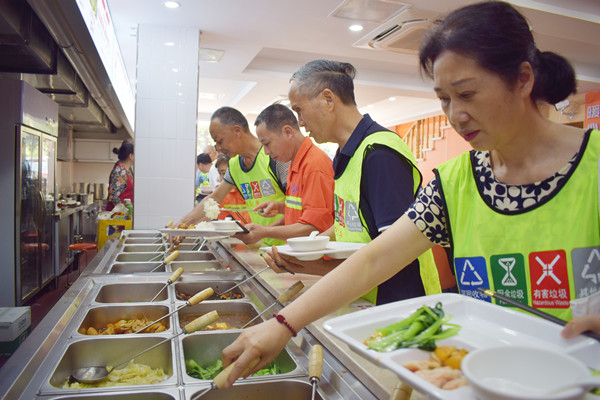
[
  {"x": 251, "y": 171},
  {"x": 376, "y": 175}
]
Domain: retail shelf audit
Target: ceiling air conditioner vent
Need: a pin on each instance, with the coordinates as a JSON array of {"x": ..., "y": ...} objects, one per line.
[{"x": 402, "y": 38}]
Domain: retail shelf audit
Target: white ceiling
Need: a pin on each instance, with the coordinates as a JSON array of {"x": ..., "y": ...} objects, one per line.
[{"x": 265, "y": 41}]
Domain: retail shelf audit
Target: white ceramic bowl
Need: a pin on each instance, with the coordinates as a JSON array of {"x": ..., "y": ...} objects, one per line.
[
  {"x": 305, "y": 243},
  {"x": 225, "y": 225},
  {"x": 522, "y": 373}
]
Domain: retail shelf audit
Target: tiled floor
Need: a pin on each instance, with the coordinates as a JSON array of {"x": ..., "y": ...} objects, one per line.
[{"x": 42, "y": 302}]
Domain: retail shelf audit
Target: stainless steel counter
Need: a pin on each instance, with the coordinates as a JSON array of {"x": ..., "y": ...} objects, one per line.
[{"x": 55, "y": 346}]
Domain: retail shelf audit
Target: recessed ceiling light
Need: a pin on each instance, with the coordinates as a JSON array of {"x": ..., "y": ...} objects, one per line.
[
  {"x": 392, "y": 99},
  {"x": 169, "y": 44},
  {"x": 210, "y": 55},
  {"x": 174, "y": 70},
  {"x": 356, "y": 28},
  {"x": 171, "y": 4}
]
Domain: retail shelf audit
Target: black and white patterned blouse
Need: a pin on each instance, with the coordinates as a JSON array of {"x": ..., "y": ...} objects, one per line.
[{"x": 427, "y": 211}]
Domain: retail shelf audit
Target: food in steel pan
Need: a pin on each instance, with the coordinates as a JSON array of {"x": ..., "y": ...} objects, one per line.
[
  {"x": 226, "y": 296},
  {"x": 421, "y": 329},
  {"x": 226, "y": 321},
  {"x": 442, "y": 369},
  {"x": 124, "y": 327},
  {"x": 132, "y": 374},
  {"x": 196, "y": 371}
]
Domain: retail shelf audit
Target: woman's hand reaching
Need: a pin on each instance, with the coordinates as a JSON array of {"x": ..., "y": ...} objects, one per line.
[{"x": 263, "y": 342}]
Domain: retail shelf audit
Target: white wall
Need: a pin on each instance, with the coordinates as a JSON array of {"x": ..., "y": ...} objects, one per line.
[{"x": 165, "y": 135}]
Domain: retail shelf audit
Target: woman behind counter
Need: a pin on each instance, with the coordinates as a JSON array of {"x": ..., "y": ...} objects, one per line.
[
  {"x": 120, "y": 185},
  {"x": 528, "y": 190}
]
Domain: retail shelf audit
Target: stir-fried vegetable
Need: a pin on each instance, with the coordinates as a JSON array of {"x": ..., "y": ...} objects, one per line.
[
  {"x": 421, "y": 329},
  {"x": 196, "y": 371}
]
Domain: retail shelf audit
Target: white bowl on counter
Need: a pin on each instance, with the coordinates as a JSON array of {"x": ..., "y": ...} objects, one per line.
[
  {"x": 523, "y": 373},
  {"x": 307, "y": 243},
  {"x": 225, "y": 225}
]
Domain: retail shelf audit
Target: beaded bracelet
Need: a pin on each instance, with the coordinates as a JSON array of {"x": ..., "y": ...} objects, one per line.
[{"x": 281, "y": 320}]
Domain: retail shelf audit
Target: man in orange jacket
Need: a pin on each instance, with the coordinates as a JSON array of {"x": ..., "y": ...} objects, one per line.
[{"x": 309, "y": 193}]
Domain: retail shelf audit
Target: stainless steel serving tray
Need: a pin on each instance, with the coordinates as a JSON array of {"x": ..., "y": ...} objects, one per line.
[
  {"x": 100, "y": 316},
  {"x": 288, "y": 389},
  {"x": 123, "y": 394}
]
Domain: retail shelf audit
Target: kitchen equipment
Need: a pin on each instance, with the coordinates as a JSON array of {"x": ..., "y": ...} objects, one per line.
[
  {"x": 524, "y": 372},
  {"x": 244, "y": 281},
  {"x": 171, "y": 279},
  {"x": 195, "y": 299},
  {"x": 220, "y": 379},
  {"x": 167, "y": 260},
  {"x": 29, "y": 126},
  {"x": 552, "y": 318},
  {"x": 100, "y": 191},
  {"x": 315, "y": 367},
  {"x": 283, "y": 297},
  {"x": 174, "y": 246},
  {"x": 98, "y": 373}
]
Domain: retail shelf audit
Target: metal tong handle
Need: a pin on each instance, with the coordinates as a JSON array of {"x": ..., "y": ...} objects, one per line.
[
  {"x": 245, "y": 280},
  {"x": 315, "y": 367},
  {"x": 197, "y": 298},
  {"x": 167, "y": 260},
  {"x": 283, "y": 297},
  {"x": 193, "y": 326},
  {"x": 171, "y": 279}
]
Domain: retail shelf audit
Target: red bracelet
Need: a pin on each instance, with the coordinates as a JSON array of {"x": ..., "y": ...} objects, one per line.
[{"x": 281, "y": 320}]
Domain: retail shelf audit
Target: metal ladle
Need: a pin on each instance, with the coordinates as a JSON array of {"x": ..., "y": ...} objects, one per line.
[
  {"x": 315, "y": 367},
  {"x": 99, "y": 373},
  {"x": 283, "y": 297}
]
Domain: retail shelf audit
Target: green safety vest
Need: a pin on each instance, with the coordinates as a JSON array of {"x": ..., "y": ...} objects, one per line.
[
  {"x": 256, "y": 186},
  {"x": 544, "y": 256},
  {"x": 350, "y": 225}
]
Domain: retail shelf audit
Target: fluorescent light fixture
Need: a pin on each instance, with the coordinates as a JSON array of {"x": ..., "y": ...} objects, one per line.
[
  {"x": 356, "y": 28},
  {"x": 169, "y": 44},
  {"x": 171, "y": 4},
  {"x": 377, "y": 11},
  {"x": 392, "y": 99},
  {"x": 210, "y": 55}
]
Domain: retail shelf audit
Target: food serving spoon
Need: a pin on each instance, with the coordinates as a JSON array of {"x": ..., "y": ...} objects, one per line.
[{"x": 98, "y": 373}]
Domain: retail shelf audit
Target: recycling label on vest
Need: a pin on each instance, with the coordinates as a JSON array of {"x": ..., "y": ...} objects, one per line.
[
  {"x": 257, "y": 189},
  {"x": 471, "y": 274},
  {"x": 347, "y": 214},
  {"x": 549, "y": 279},
  {"x": 508, "y": 275},
  {"x": 586, "y": 271}
]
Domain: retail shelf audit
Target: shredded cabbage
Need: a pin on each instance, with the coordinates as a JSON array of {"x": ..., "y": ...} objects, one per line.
[{"x": 132, "y": 374}]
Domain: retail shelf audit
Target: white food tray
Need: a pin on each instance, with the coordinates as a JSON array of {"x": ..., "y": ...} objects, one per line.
[
  {"x": 483, "y": 325},
  {"x": 206, "y": 232},
  {"x": 333, "y": 250}
]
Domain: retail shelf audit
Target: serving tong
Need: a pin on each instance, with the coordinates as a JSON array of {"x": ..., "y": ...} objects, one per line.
[
  {"x": 195, "y": 299},
  {"x": 283, "y": 297}
]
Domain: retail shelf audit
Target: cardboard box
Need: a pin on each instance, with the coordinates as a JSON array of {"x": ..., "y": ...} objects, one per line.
[
  {"x": 108, "y": 228},
  {"x": 15, "y": 325}
]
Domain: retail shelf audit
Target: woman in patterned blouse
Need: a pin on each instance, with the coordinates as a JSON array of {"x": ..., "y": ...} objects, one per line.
[
  {"x": 120, "y": 186},
  {"x": 490, "y": 77}
]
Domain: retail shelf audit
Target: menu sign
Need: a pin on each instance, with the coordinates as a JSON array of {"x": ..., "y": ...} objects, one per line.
[{"x": 96, "y": 15}]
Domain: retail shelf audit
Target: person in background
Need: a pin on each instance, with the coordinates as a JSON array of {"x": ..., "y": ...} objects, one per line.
[
  {"x": 309, "y": 195},
  {"x": 213, "y": 174},
  {"x": 202, "y": 184},
  {"x": 376, "y": 177},
  {"x": 251, "y": 171},
  {"x": 233, "y": 199},
  {"x": 516, "y": 195},
  {"x": 120, "y": 184}
]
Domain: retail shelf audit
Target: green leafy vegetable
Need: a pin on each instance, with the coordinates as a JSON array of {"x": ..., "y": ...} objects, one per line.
[
  {"x": 421, "y": 329},
  {"x": 209, "y": 373}
]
